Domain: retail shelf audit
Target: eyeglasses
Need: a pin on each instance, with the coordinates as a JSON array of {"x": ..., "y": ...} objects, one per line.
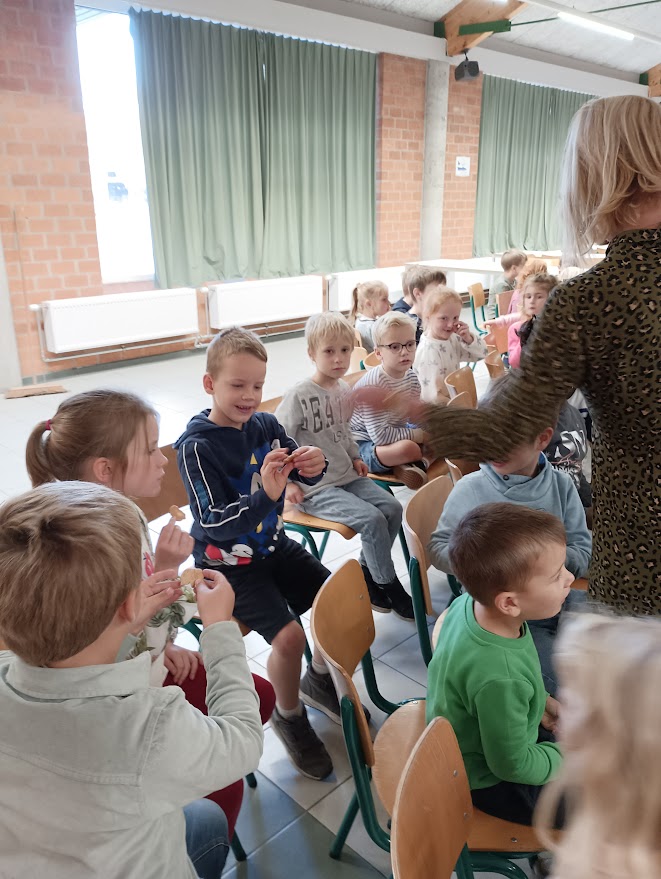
[{"x": 396, "y": 347}]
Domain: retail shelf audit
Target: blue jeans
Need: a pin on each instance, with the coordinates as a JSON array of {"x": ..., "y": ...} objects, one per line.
[{"x": 207, "y": 838}]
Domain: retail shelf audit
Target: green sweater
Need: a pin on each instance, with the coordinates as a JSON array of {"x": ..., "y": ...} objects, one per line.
[{"x": 490, "y": 688}]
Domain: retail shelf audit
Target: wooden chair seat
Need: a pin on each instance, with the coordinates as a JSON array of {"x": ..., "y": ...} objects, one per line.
[
  {"x": 387, "y": 478},
  {"x": 489, "y": 834},
  {"x": 371, "y": 360},
  {"x": 294, "y": 516}
]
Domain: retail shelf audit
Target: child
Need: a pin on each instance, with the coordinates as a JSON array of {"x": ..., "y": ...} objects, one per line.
[
  {"x": 318, "y": 411},
  {"x": 534, "y": 293},
  {"x": 404, "y": 304},
  {"x": 526, "y": 478},
  {"x": 369, "y": 301},
  {"x": 236, "y": 463},
  {"x": 485, "y": 675},
  {"x": 610, "y": 669},
  {"x": 445, "y": 342},
  {"x": 533, "y": 266},
  {"x": 385, "y": 441},
  {"x": 101, "y": 773},
  {"x": 512, "y": 261},
  {"x": 422, "y": 282}
]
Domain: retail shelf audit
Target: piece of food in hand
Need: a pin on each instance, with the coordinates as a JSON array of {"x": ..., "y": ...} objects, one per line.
[
  {"x": 189, "y": 579},
  {"x": 177, "y": 514}
]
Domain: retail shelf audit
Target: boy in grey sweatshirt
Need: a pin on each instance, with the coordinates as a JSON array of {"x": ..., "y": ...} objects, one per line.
[{"x": 318, "y": 410}]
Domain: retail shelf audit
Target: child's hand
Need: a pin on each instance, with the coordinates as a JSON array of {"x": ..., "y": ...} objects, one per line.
[
  {"x": 294, "y": 493},
  {"x": 463, "y": 331},
  {"x": 172, "y": 547},
  {"x": 181, "y": 663},
  {"x": 275, "y": 473},
  {"x": 551, "y": 714},
  {"x": 309, "y": 461},
  {"x": 156, "y": 592},
  {"x": 215, "y": 598},
  {"x": 360, "y": 467}
]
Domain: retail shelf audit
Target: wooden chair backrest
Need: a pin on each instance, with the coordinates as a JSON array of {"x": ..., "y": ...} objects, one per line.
[
  {"x": 269, "y": 405},
  {"x": 499, "y": 337},
  {"x": 371, "y": 360},
  {"x": 357, "y": 337},
  {"x": 352, "y": 377},
  {"x": 420, "y": 519},
  {"x": 477, "y": 294},
  {"x": 173, "y": 491},
  {"x": 461, "y": 467},
  {"x": 343, "y": 629},
  {"x": 462, "y": 380},
  {"x": 393, "y": 746},
  {"x": 503, "y": 301},
  {"x": 433, "y": 810},
  {"x": 357, "y": 356},
  {"x": 454, "y": 472},
  {"x": 495, "y": 365},
  {"x": 461, "y": 401}
]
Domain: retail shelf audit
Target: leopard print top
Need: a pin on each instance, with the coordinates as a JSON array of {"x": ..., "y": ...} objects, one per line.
[{"x": 598, "y": 332}]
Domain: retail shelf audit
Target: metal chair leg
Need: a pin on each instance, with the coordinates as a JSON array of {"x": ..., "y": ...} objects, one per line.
[
  {"x": 237, "y": 848},
  {"x": 346, "y": 825}
]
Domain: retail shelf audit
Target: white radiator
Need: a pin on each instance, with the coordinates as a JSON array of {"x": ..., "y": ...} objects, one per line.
[
  {"x": 340, "y": 285},
  {"x": 119, "y": 319},
  {"x": 276, "y": 300}
]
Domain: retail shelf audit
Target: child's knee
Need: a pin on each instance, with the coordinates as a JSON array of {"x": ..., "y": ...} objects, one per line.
[
  {"x": 412, "y": 451},
  {"x": 393, "y": 510},
  {"x": 289, "y": 643}
]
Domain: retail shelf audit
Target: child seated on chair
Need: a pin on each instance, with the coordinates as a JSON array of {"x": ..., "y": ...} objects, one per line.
[
  {"x": 101, "y": 773},
  {"x": 406, "y": 301},
  {"x": 525, "y": 477},
  {"x": 318, "y": 411},
  {"x": 534, "y": 293},
  {"x": 485, "y": 676},
  {"x": 387, "y": 442},
  {"x": 445, "y": 343},
  {"x": 236, "y": 463},
  {"x": 369, "y": 301},
  {"x": 512, "y": 261},
  {"x": 422, "y": 282}
]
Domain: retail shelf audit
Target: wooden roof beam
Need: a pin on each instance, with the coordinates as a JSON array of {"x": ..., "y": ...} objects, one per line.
[{"x": 469, "y": 15}]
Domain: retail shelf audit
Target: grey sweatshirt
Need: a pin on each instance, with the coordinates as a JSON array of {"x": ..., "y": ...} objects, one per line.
[{"x": 314, "y": 416}]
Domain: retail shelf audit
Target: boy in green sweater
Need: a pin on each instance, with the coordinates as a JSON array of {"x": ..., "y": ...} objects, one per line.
[{"x": 485, "y": 676}]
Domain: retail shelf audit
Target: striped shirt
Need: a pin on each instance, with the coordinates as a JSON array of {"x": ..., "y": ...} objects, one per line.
[{"x": 383, "y": 428}]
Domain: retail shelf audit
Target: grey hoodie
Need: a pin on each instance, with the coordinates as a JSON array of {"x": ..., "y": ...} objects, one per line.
[{"x": 550, "y": 490}]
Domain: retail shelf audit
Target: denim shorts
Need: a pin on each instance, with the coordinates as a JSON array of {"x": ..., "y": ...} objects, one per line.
[{"x": 367, "y": 451}]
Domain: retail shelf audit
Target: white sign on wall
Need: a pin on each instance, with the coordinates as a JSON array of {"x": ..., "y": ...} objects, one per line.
[{"x": 463, "y": 166}]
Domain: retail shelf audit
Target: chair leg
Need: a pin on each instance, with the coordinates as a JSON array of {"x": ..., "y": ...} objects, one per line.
[
  {"x": 237, "y": 848},
  {"x": 494, "y": 862},
  {"x": 405, "y": 549},
  {"x": 346, "y": 825},
  {"x": 251, "y": 781}
]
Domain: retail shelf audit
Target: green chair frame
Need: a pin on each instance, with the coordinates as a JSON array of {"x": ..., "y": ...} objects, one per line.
[
  {"x": 419, "y": 609},
  {"x": 482, "y": 332},
  {"x": 308, "y": 541}
]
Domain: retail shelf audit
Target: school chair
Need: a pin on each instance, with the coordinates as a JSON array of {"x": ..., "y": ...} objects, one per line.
[
  {"x": 461, "y": 401},
  {"x": 357, "y": 356},
  {"x": 387, "y": 483},
  {"x": 498, "y": 337},
  {"x": 494, "y": 364},
  {"x": 420, "y": 520},
  {"x": 478, "y": 300},
  {"x": 503, "y": 302},
  {"x": 460, "y": 467},
  {"x": 352, "y": 377},
  {"x": 343, "y": 629},
  {"x": 435, "y": 827},
  {"x": 462, "y": 381},
  {"x": 357, "y": 337},
  {"x": 371, "y": 360}
]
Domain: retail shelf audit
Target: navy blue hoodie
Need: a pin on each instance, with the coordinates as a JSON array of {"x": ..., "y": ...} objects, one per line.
[{"x": 235, "y": 521}]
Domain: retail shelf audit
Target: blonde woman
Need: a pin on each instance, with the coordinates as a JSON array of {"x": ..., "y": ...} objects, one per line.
[{"x": 610, "y": 670}]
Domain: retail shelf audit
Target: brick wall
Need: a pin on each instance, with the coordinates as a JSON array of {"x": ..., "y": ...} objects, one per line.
[
  {"x": 463, "y": 139},
  {"x": 399, "y": 158}
]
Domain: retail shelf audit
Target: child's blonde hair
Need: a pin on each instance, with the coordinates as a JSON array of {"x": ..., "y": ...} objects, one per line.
[
  {"x": 389, "y": 321},
  {"x": 70, "y": 554},
  {"x": 327, "y": 325},
  {"x": 533, "y": 266},
  {"x": 437, "y": 299},
  {"x": 94, "y": 424},
  {"x": 612, "y": 163},
  {"x": 513, "y": 258},
  {"x": 609, "y": 669},
  {"x": 233, "y": 340},
  {"x": 541, "y": 279},
  {"x": 363, "y": 293},
  {"x": 422, "y": 276}
]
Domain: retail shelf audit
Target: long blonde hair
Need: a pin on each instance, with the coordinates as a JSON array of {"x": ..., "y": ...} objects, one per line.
[
  {"x": 363, "y": 293},
  {"x": 610, "y": 669},
  {"x": 612, "y": 162}
]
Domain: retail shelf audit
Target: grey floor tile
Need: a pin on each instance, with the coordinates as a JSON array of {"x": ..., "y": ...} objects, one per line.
[
  {"x": 392, "y": 685},
  {"x": 407, "y": 659}
]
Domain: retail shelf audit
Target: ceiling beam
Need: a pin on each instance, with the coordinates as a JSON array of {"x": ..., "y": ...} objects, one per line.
[
  {"x": 475, "y": 12},
  {"x": 654, "y": 81}
]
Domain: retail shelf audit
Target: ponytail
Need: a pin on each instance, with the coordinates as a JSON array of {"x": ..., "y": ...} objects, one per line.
[
  {"x": 36, "y": 455},
  {"x": 354, "y": 304}
]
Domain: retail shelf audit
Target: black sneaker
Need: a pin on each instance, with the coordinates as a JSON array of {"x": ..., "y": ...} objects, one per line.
[
  {"x": 400, "y": 600},
  {"x": 304, "y": 747},
  {"x": 378, "y": 598},
  {"x": 318, "y": 691}
]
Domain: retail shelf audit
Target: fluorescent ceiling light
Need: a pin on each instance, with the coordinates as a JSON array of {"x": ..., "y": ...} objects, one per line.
[{"x": 595, "y": 25}]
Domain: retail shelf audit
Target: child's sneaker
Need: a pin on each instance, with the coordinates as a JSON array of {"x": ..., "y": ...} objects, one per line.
[
  {"x": 318, "y": 691},
  {"x": 304, "y": 747},
  {"x": 378, "y": 598},
  {"x": 400, "y": 600},
  {"x": 412, "y": 475}
]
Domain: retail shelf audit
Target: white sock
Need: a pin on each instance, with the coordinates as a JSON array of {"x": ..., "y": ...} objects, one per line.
[
  {"x": 320, "y": 667},
  {"x": 288, "y": 713}
]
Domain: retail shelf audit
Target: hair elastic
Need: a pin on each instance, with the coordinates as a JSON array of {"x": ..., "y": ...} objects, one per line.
[{"x": 49, "y": 425}]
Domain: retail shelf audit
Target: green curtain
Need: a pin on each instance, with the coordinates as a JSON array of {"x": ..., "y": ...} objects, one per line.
[
  {"x": 259, "y": 151},
  {"x": 319, "y": 148},
  {"x": 523, "y": 130}
]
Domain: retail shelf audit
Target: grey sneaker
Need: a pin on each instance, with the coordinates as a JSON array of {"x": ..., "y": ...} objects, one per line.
[
  {"x": 412, "y": 475},
  {"x": 304, "y": 747},
  {"x": 318, "y": 691}
]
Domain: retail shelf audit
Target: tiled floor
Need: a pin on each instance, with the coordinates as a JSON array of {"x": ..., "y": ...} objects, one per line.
[{"x": 287, "y": 823}]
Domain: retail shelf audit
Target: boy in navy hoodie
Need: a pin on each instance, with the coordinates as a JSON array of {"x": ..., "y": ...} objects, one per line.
[
  {"x": 524, "y": 477},
  {"x": 235, "y": 463}
]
